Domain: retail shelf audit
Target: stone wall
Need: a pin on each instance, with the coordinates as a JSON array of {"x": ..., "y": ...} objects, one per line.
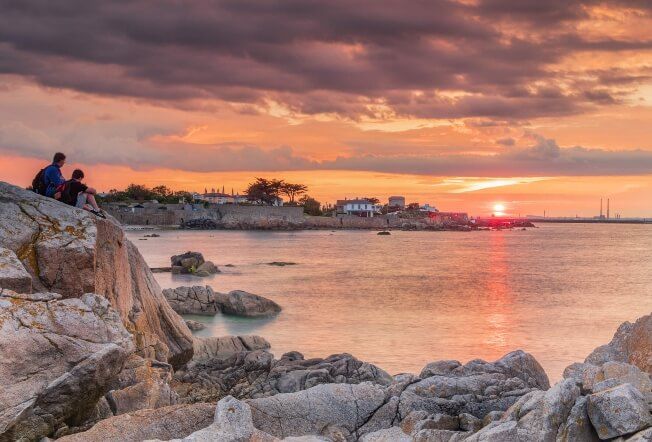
[{"x": 226, "y": 213}]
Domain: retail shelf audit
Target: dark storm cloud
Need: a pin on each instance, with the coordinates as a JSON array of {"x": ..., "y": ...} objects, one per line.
[{"x": 315, "y": 55}]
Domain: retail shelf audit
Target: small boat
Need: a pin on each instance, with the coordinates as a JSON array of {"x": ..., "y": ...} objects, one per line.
[{"x": 384, "y": 232}]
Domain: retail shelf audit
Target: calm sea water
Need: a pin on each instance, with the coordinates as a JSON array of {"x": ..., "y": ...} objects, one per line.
[{"x": 403, "y": 300}]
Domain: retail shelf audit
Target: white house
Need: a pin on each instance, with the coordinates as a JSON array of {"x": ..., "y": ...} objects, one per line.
[
  {"x": 359, "y": 207},
  {"x": 428, "y": 208}
]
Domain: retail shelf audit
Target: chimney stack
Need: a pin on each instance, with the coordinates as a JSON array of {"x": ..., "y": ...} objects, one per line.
[
  {"x": 600, "y": 208},
  {"x": 607, "y": 208}
]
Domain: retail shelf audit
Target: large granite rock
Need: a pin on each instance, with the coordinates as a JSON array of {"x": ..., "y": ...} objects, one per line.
[
  {"x": 338, "y": 411},
  {"x": 537, "y": 415},
  {"x": 241, "y": 303},
  {"x": 58, "y": 359},
  {"x": 618, "y": 411},
  {"x": 192, "y": 263},
  {"x": 632, "y": 343},
  {"x": 47, "y": 236},
  {"x": 175, "y": 421},
  {"x": 142, "y": 383},
  {"x": 221, "y": 347},
  {"x": 477, "y": 387},
  {"x": 253, "y": 374},
  {"x": 196, "y": 300},
  {"x": 13, "y": 275}
]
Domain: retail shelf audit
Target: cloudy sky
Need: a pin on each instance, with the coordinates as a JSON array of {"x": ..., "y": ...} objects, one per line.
[{"x": 539, "y": 105}]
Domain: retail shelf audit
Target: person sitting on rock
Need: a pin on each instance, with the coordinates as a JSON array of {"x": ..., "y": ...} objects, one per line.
[
  {"x": 82, "y": 196},
  {"x": 53, "y": 177}
]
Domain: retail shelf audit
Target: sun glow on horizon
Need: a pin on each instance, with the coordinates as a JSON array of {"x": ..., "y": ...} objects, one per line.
[{"x": 499, "y": 209}]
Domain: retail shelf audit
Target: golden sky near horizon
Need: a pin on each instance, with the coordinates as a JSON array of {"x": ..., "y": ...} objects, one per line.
[{"x": 537, "y": 106}]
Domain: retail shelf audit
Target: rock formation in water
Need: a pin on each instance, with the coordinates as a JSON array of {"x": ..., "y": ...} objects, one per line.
[
  {"x": 192, "y": 263},
  {"x": 94, "y": 348},
  {"x": 196, "y": 300},
  {"x": 200, "y": 300}
]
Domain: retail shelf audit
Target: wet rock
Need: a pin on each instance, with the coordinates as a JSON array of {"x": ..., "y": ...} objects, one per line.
[
  {"x": 196, "y": 300},
  {"x": 241, "y": 303},
  {"x": 195, "y": 325},
  {"x": 208, "y": 267},
  {"x": 619, "y": 411},
  {"x": 13, "y": 275},
  {"x": 58, "y": 359},
  {"x": 176, "y": 421}
]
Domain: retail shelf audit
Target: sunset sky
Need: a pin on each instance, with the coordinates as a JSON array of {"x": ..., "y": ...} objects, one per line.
[{"x": 536, "y": 105}]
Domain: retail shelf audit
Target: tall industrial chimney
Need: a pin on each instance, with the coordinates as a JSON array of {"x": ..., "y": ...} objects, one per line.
[
  {"x": 600, "y": 208},
  {"x": 607, "y": 208}
]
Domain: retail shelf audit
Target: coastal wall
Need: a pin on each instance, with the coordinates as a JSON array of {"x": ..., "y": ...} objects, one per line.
[{"x": 226, "y": 214}]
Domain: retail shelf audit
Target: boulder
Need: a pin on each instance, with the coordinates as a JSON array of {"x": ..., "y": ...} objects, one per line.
[
  {"x": 477, "y": 387},
  {"x": 618, "y": 411},
  {"x": 224, "y": 346},
  {"x": 187, "y": 262},
  {"x": 217, "y": 371},
  {"x": 578, "y": 427},
  {"x": 233, "y": 423},
  {"x": 59, "y": 356},
  {"x": 593, "y": 378},
  {"x": 175, "y": 421},
  {"x": 13, "y": 275},
  {"x": 241, "y": 303},
  {"x": 196, "y": 300},
  {"x": 632, "y": 344},
  {"x": 142, "y": 383},
  {"x": 537, "y": 415},
  {"x": 208, "y": 267},
  {"x": 195, "y": 325},
  {"x": 338, "y": 411},
  {"x": 46, "y": 236}
]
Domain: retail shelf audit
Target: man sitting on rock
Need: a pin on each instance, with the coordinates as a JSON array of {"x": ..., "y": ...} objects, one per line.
[
  {"x": 52, "y": 176},
  {"x": 82, "y": 196}
]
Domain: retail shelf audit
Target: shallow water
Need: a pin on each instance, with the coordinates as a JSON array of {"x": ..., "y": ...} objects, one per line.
[{"x": 403, "y": 300}]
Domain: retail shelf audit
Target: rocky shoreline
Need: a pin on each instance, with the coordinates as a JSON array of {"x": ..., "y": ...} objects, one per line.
[{"x": 95, "y": 351}]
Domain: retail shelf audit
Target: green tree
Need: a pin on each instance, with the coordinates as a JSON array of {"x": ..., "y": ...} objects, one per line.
[
  {"x": 293, "y": 190},
  {"x": 372, "y": 200},
  {"x": 138, "y": 192},
  {"x": 310, "y": 206},
  {"x": 265, "y": 191}
]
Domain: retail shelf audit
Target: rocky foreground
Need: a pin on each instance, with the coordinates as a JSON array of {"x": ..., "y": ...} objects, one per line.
[{"x": 91, "y": 350}]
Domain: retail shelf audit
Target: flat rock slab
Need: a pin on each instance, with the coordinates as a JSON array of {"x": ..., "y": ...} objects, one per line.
[{"x": 173, "y": 422}]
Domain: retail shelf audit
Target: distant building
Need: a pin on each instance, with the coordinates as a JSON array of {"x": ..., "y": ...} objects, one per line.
[
  {"x": 397, "y": 201},
  {"x": 217, "y": 198},
  {"x": 358, "y": 207},
  {"x": 428, "y": 208}
]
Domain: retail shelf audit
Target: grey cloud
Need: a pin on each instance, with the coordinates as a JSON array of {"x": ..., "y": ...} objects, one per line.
[{"x": 316, "y": 56}]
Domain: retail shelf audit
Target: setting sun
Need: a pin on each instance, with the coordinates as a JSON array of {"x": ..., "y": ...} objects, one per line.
[{"x": 499, "y": 208}]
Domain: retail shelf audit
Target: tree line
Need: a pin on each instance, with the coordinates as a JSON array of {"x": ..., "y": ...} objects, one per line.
[{"x": 260, "y": 191}]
